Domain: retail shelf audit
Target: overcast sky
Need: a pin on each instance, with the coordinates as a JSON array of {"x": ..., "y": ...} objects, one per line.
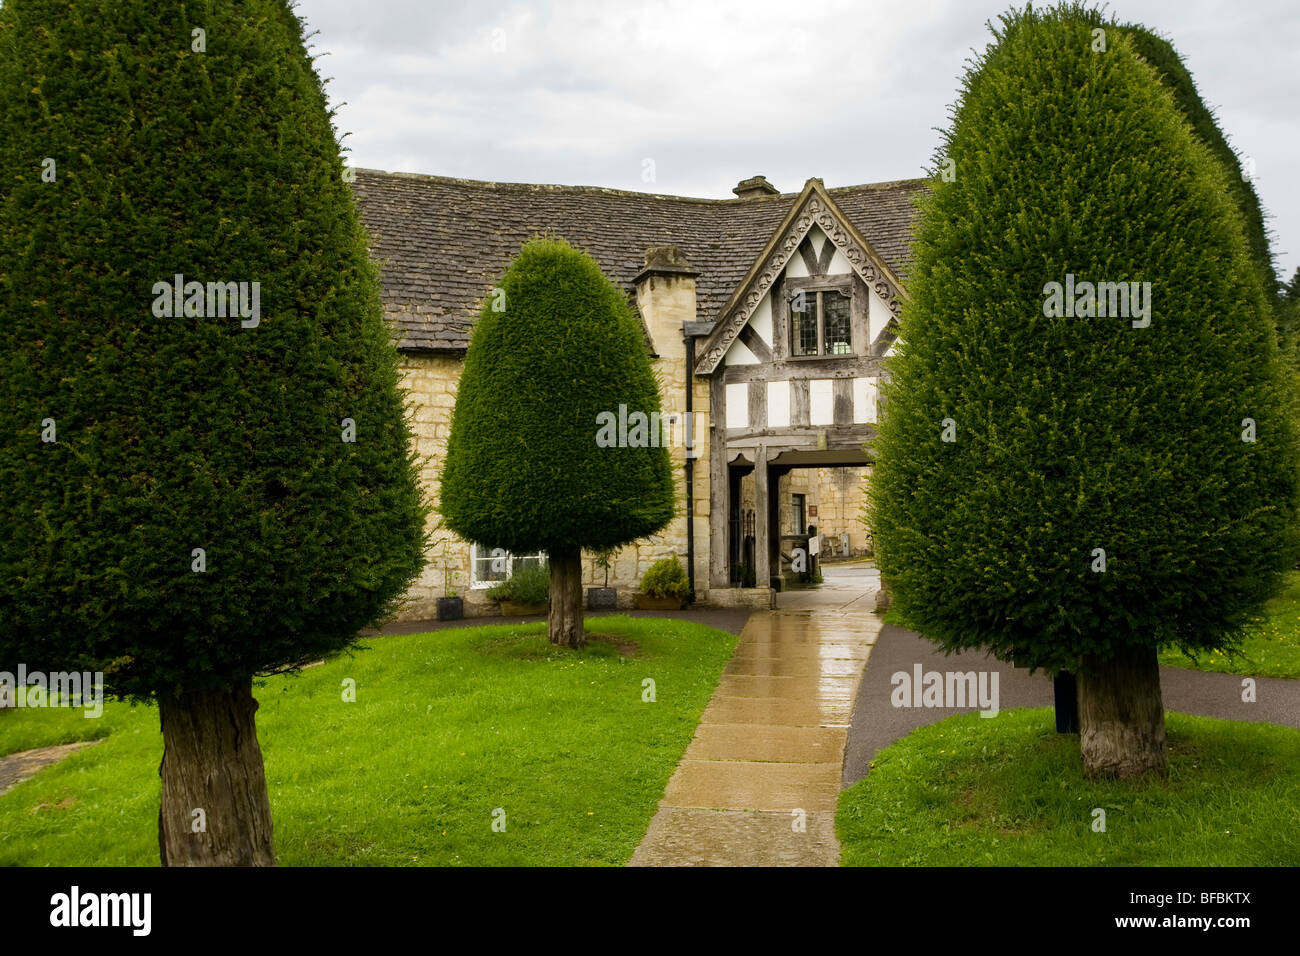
[{"x": 690, "y": 96}]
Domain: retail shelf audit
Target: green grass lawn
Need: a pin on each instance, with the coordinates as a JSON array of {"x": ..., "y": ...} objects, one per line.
[
  {"x": 1009, "y": 791},
  {"x": 447, "y": 727}
]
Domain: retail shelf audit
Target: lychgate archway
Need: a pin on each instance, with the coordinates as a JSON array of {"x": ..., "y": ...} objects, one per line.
[{"x": 794, "y": 365}]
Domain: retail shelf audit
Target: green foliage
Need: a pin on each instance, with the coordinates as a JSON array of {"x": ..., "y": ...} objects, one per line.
[
  {"x": 177, "y": 433},
  {"x": 523, "y": 467},
  {"x": 666, "y": 578},
  {"x": 1075, "y": 434},
  {"x": 529, "y": 585}
]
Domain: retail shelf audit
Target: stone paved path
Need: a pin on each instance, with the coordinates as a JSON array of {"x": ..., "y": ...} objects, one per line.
[{"x": 771, "y": 741}]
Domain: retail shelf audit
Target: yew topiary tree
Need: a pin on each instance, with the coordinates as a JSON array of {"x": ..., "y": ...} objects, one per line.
[
  {"x": 532, "y": 463},
  {"x": 203, "y": 446},
  {"x": 1070, "y": 472}
]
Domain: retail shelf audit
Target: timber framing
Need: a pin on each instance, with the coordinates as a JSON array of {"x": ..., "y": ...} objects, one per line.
[{"x": 814, "y": 206}]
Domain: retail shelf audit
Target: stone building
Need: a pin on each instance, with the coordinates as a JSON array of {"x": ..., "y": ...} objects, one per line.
[{"x": 766, "y": 315}]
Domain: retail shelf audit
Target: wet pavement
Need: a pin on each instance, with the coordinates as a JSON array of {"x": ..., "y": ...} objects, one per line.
[{"x": 759, "y": 782}]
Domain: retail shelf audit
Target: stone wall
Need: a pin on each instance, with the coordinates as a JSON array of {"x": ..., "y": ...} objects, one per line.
[
  {"x": 838, "y": 494},
  {"x": 430, "y": 382}
]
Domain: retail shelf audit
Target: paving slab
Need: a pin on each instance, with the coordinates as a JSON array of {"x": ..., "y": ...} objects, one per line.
[
  {"x": 762, "y": 712},
  {"x": 684, "y": 837},
  {"x": 803, "y": 652},
  {"x": 788, "y": 744},
  {"x": 789, "y": 667},
  {"x": 798, "y": 688},
  {"x": 752, "y": 785}
]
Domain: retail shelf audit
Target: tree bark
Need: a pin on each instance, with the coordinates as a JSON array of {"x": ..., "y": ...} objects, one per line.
[
  {"x": 212, "y": 763},
  {"x": 1122, "y": 715},
  {"x": 883, "y": 599},
  {"x": 564, "y": 620}
]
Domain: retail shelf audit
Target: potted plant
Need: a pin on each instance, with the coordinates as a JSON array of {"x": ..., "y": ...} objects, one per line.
[
  {"x": 451, "y": 607},
  {"x": 524, "y": 592},
  {"x": 664, "y": 586},
  {"x": 603, "y": 598}
]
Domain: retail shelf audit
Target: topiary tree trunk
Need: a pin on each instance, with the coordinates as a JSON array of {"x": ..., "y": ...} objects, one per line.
[
  {"x": 883, "y": 598},
  {"x": 214, "y": 809},
  {"x": 564, "y": 616},
  {"x": 1122, "y": 715}
]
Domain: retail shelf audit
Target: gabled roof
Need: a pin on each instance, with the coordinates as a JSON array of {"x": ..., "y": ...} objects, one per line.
[
  {"x": 813, "y": 206},
  {"x": 444, "y": 243}
]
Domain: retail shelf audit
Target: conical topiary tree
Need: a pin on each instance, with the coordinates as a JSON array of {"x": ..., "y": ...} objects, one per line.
[
  {"x": 1071, "y": 487},
  {"x": 203, "y": 447},
  {"x": 531, "y": 464}
]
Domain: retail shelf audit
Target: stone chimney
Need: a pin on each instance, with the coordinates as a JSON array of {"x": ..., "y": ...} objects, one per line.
[
  {"x": 755, "y": 186},
  {"x": 665, "y": 294}
]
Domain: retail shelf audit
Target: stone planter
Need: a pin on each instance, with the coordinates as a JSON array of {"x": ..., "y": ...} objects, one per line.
[
  {"x": 647, "y": 603},
  {"x": 451, "y": 608},
  {"x": 602, "y": 599},
  {"x": 512, "y": 609}
]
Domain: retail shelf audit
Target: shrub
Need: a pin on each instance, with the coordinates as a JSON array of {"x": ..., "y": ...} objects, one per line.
[
  {"x": 528, "y": 585},
  {"x": 666, "y": 578},
  {"x": 553, "y": 351}
]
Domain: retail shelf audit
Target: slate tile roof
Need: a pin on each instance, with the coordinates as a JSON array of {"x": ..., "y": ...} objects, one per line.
[{"x": 443, "y": 243}]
